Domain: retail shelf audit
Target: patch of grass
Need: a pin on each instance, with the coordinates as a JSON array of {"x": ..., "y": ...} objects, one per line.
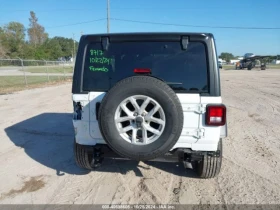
[
  {"x": 276, "y": 66},
  {"x": 49, "y": 69},
  {"x": 228, "y": 67},
  {"x": 9, "y": 84}
]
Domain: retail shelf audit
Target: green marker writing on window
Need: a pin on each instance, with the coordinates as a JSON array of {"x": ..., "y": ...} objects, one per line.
[
  {"x": 96, "y": 52},
  {"x": 102, "y": 69},
  {"x": 102, "y": 60}
]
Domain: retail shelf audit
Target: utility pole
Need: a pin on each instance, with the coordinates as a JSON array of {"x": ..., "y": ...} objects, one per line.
[
  {"x": 73, "y": 46},
  {"x": 108, "y": 16}
]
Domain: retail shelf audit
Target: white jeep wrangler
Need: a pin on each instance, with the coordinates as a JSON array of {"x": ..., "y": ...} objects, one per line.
[{"x": 149, "y": 96}]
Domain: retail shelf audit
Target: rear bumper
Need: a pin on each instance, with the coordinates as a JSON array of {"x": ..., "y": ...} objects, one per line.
[
  {"x": 176, "y": 156},
  {"x": 108, "y": 153},
  {"x": 224, "y": 131}
]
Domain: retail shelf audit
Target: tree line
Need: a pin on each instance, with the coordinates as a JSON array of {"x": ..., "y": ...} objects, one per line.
[
  {"x": 38, "y": 45},
  {"x": 227, "y": 56}
]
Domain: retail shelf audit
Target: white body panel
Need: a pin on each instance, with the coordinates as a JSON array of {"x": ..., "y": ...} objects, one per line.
[{"x": 195, "y": 135}]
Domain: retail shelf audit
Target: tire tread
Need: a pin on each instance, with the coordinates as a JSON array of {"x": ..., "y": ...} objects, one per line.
[
  {"x": 81, "y": 156},
  {"x": 210, "y": 166}
]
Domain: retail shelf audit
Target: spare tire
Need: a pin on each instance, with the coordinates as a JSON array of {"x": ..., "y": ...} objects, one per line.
[{"x": 141, "y": 118}]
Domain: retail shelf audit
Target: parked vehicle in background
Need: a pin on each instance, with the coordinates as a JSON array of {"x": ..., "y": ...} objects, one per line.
[
  {"x": 239, "y": 65},
  {"x": 263, "y": 66},
  {"x": 220, "y": 65},
  {"x": 248, "y": 55}
]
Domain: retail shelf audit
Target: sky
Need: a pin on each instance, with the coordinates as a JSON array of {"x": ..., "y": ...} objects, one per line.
[{"x": 70, "y": 18}]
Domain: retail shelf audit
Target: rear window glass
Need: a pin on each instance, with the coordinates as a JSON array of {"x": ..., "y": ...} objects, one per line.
[{"x": 182, "y": 70}]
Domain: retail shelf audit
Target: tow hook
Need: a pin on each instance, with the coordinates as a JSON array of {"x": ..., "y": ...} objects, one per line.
[
  {"x": 97, "y": 158},
  {"x": 198, "y": 156}
]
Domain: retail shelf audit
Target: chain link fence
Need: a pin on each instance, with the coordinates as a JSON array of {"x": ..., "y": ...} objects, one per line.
[{"x": 19, "y": 72}]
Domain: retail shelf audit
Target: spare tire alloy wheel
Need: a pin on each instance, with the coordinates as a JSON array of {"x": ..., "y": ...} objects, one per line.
[
  {"x": 140, "y": 126},
  {"x": 141, "y": 118}
]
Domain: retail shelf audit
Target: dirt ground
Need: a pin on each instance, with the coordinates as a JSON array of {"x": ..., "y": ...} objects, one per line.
[{"x": 37, "y": 165}]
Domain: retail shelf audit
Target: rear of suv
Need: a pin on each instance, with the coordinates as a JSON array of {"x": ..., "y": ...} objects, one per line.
[{"x": 149, "y": 96}]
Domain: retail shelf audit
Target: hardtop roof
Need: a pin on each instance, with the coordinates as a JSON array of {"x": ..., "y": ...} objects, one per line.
[{"x": 160, "y": 34}]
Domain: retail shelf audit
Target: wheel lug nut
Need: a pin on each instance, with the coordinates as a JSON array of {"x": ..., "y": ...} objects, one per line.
[{"x": 135, "y": 114}]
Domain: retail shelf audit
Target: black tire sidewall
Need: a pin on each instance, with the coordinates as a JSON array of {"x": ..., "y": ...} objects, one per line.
[
  {"x": 172, "y": 110},
  {"x": 203, "y": 166}
]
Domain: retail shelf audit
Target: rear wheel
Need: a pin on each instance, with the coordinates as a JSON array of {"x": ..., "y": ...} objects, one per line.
[
  {"x": 141, "y": 118},
  {"x": 210, "y": 165},
  {"x": 83, "y": 156},
  {"x": 250, "y": 66}
]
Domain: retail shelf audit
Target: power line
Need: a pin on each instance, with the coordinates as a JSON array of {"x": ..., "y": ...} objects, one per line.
[
  {"x": 128, "y": 8},
  {"x": 197, "y": 26},
  {"x": 79, "y": 23},
  {"x": 168, "y": 24},
  {"x": 101, "y": 8},
  {"x": 50, "y": 10}
]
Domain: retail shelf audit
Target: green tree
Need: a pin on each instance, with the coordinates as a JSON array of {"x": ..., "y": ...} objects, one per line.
[
  {"x": 12, "y": 39},
  {"x": 39, "y": 46},
  {"x": 226, "y": 56},
  {"x": 2, "y": 48},
  {"x": 40, "y": 53},
  {"x": 36, "y": 32},
  {"x": 67, "y": 46},
  {"x": 53, "y": 49},
  {"x": 3, "y": 52},
  {"x": 29, "y": 51}
]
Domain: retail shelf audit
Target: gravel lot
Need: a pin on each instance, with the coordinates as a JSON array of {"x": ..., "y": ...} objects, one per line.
[{"x": 37, "y": 166}]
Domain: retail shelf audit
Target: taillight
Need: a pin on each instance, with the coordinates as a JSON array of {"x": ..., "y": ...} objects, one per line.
[
  {"x": 142, "y": 71},
  {"x": 215, "y": 115}
]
